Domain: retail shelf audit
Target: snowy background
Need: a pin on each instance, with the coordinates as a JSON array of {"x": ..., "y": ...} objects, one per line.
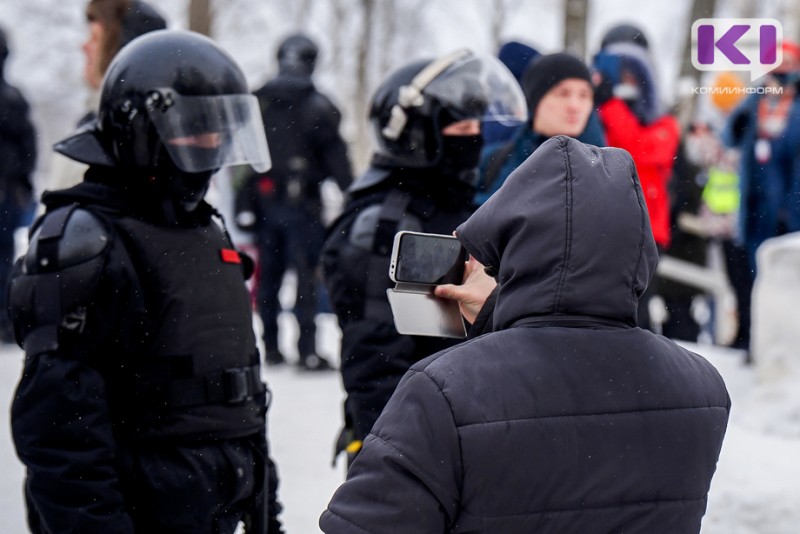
[
  {"x": 757, "y": 486},
  {"x": 756, "y": 489}
]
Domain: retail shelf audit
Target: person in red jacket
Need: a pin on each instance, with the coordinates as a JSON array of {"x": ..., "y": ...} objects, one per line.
[{"x": 627, "y": 100}]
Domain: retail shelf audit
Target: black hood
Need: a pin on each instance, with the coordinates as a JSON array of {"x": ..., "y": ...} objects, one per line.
[{"x": 568, "y": 234}]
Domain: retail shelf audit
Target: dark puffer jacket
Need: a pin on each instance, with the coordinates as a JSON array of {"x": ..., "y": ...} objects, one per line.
[{"x": 567, "y": 418}]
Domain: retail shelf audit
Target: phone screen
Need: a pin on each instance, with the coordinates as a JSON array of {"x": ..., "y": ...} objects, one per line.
[{"x": 429, "y": 259}]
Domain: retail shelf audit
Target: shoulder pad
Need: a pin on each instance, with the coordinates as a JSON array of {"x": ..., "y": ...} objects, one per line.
[
  {"x": 362, "y": 233},
  {"x": 65, "y": 237}
]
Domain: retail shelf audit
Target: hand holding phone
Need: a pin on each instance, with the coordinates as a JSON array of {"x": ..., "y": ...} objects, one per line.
[
  {"x": 419, "y": 263},
  {"x": 472, "y": 294}
]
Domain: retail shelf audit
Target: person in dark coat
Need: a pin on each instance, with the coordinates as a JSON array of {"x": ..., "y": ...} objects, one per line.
[
  {"x": 141, "y": 406},
  {"x": 421, "y": 179},
  {"x": 567, "y": 417},
  {"x": 17, "y": 162},
  {"x": 283, "y": 207}
]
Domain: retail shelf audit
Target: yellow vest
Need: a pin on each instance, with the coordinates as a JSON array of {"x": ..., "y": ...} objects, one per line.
[{"x": 721, "y": 193}]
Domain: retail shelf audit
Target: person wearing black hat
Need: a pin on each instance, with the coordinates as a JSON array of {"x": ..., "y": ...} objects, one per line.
[
  {"x": 111, "y": 24},
  {"x": 558, "y": 89}
]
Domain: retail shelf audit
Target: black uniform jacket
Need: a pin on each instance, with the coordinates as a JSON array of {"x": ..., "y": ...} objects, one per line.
[
  {"x": 567, "y": 417},
  {"x": 149, "y": 334}
]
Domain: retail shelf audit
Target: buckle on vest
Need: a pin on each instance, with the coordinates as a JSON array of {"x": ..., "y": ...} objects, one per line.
[{"x": 237, "y": 384}]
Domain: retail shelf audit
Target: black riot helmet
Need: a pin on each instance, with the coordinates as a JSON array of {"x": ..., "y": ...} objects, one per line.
[
  {"x": 175, "y": 105},
  {"x": 413, "y": 104},
  {"x": 297, "y": 56}
]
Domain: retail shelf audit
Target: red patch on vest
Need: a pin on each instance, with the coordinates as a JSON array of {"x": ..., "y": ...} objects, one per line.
[
  {"x": 266, "y": 186},
  {"x": 229, "y": 255}
]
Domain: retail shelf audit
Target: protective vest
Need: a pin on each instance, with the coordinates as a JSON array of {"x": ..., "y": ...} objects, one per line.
[
  {"x": 201, "y": 368},
  {"x": 721, "y": 193},
  {"x": 186, "y": 366}
]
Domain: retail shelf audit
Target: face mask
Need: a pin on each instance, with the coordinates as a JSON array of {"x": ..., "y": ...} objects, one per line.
[
  {"x": 189, "y": 189},
  {"x": 186, "y": 189},
  {"x": 627, "y": 91},
  {"x": 460, "y": 156}
]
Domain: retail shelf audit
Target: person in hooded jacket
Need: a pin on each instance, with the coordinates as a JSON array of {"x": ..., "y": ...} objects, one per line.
[
  {"x": 141, "y": 406},
  {"x": 566, "y": 417},
  {"x": 627, "y": 100},
  {"x": 17, "y": 162},
  {"x": 427, "y": 118},
  {"x": 111, "y": 25},
  {"x": 283, "y": 207}
]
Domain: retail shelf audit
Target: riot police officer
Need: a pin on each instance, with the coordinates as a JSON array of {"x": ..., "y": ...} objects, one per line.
[
  {"x": 141, "y": 406},
  {"x": 282, "y": 208},
  {"x": 426, "y": 117}
]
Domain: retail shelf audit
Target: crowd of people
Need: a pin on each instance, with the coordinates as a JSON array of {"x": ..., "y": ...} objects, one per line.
[{"x": 142, "y": 405}]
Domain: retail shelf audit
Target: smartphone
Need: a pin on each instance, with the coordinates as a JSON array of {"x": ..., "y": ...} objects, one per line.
[
  {"x": 428, "y": 259},
  {"x": 419, "y": 263}
]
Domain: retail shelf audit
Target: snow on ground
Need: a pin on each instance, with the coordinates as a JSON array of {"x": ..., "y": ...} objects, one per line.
[{"x": 755, "y": 491}]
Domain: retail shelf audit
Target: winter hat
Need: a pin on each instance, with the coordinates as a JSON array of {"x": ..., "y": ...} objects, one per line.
[
  {"x": 123, "y": 21},
  {"x": 548, "y": 71}
]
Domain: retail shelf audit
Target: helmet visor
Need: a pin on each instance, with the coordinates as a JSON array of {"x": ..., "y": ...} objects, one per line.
[
  {"x": 480, "y": 87},
  {"x": 202, "y": 133}
]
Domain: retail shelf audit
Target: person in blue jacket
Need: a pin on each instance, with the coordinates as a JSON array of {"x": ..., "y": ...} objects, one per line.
[
  {"x": 558, "y": 89},
  {"x": 766, "y": 129}
]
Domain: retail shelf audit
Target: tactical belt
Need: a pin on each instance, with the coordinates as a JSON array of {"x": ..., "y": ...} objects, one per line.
[{"x": 231, "y": 386}]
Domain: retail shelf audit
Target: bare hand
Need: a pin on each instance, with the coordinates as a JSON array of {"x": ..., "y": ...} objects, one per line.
[{"x": 472, "y": 293}]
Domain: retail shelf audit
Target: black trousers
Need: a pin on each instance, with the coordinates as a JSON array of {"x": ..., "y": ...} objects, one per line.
[{"x": 291, "y": 240}]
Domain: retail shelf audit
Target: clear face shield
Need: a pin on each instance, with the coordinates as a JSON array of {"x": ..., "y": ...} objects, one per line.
[
  {"x": 483, "y": 87},
  {"x": 466, "y": 86},
  {"x": 203, "y": 133}
]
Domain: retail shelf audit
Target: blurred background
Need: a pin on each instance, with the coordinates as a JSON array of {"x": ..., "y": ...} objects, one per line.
[{"x": 360, "y": 41}]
